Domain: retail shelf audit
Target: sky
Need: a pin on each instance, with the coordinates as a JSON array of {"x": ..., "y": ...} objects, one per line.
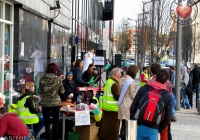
[{"x": 126, "y": 8}]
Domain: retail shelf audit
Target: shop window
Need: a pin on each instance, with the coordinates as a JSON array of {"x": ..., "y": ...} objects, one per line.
[
  {"x": 0, "y": 9},
  {"x": 32, "y": 50},
  {"x": 60, "y": 49},
  {"x": 7, "y": 12}
]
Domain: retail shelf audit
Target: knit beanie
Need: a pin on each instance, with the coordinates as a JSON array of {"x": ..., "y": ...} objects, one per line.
[{"x": 69, "y": 73}]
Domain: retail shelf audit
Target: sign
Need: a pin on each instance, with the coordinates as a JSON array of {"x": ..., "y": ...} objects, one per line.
[
  {"x": 185, "y": 12},
  {"x": 22, "y": 49},
  {"x": 82, "y": 118},
  {"x": 76, "y": 40},
  {"x": 99, "y": 60}
]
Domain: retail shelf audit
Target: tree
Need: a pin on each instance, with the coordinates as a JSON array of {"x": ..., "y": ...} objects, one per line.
[
  {"x": 159, "y": 37},
  {"x": 123, "y": 39}
]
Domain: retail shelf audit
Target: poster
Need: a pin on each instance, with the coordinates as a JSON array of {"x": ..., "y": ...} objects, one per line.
[
  {"x": 82, "y": 118},
  {"x": 99, "y": 61}
]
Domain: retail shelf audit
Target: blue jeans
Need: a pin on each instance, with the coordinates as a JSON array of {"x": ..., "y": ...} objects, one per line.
[
  {"x": 197, "y": 88},
  {"x": 146, "y": 133},
  {"x": 38, "y": 126},
  {"x": 184, "y": 99}
]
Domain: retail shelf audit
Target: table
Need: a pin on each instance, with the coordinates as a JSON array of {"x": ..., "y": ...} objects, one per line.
[
  {"x": 95, "y": 89},
  {"x": 63, "y": 111}
]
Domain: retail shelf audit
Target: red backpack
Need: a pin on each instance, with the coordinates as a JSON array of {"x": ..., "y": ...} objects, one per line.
[{"x": 150, "y": 108}]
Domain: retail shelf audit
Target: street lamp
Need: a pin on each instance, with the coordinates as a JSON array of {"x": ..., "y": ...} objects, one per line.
[{"x": 135, "y": 38}]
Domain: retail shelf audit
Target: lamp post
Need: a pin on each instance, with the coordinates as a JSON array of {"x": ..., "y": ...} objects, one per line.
[{"x": 135, "y": 39}]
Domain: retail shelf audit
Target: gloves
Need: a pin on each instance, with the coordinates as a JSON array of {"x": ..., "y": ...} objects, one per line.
[{"x": 87, "y": 84}]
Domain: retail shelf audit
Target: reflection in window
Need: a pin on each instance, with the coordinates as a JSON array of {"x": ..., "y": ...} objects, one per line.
[
  {"x": 0, "y": 8},
  {"x": 7, "y": 12},
  {"x": 7, "y": 44},
  {"x": 32, "y": 50},
  {"x": 60, "y": 49}
]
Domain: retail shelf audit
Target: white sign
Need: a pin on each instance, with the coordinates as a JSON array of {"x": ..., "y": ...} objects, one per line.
[
  {"x": 82, "y": 118},
  {"x": 99, "y": 60},
  {"x": 22, "y": 49}
]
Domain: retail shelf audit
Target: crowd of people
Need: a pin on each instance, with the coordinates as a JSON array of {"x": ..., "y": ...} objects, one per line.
[{"x": 152, "y": 105}]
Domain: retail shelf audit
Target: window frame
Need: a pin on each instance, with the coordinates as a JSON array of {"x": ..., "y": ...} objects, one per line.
[{"x": 3, "y": 22}]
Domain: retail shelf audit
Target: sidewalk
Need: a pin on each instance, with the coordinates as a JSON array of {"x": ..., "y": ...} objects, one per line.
[{"x": 187, "y": 126}]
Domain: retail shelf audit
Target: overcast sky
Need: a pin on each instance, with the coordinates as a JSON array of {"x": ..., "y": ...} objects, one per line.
[{"x": 126, "y": 8}]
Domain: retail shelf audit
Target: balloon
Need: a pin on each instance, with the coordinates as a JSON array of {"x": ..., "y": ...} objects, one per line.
[
  {"x": 10, "y": 76},
  {"x": 28, "y": 70},
  {"x": 22, "y": 81},
  {"x": 97, "y": 117},
  {"x": 96, "y": 111}
]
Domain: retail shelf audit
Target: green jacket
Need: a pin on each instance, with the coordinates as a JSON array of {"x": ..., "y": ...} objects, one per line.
[{"x": 49, "y": 87}]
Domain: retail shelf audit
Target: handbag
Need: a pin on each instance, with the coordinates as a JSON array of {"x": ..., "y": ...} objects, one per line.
[
  {"x": 173, "y": 119},
  {"x": 131, "y": 129}
]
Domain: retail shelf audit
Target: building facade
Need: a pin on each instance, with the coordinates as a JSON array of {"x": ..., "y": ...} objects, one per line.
[{"x": 34, "y": 33}]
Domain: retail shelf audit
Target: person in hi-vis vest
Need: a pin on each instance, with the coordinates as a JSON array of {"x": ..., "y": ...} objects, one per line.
[
  {"x": 109, "y": 129},
  {"x": 144, "y": 77},
  {"x": 28, "y": 110}
]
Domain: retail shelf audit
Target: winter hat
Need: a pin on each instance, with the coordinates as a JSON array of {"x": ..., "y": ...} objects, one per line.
[
  {"x": 69, "y": 73},
  {"x": 60, "y": 72}
]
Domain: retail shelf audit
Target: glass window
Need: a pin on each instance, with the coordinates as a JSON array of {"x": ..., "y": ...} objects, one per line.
[
  {"x": 7, "y": 12},
  {"x": 60, "y": 50},
  {"x": 32, "y": 52},
  {"x": 1, "y": 61},
  {"x": 0, "y": 9},
  {"x": 7, "y": 75}
]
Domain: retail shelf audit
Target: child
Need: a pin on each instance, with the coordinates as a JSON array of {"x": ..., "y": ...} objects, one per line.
[{"x": 11, "y": 126}]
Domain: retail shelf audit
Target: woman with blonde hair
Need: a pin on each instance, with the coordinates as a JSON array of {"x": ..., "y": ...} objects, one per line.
[{"x": 27, "y": 108}]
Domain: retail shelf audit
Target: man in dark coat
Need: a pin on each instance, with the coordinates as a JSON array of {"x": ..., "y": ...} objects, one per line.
[{"x": 196, "y": 80}]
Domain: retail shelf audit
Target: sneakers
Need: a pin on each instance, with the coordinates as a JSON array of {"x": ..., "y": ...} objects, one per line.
[{"x": 189, "y": 107}]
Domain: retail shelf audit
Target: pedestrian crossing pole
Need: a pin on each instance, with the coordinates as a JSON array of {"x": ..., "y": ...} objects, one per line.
[{"x": 178, "y": 59}]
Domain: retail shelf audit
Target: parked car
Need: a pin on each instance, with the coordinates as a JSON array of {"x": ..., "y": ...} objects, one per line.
[
  {"x": 163, "y": 63},
  {"x": 146, "y": 64},
  {"x": 130, "y": 62}
]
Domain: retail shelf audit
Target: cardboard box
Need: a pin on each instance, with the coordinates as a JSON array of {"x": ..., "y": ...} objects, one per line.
[{"x": 87, "y": 132}]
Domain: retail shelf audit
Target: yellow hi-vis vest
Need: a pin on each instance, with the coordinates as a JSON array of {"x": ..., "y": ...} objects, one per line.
[
  {"x": 24, "y": 113},
  {"x": 146, "y": 77},
  {"x": 109, "y": 103}
]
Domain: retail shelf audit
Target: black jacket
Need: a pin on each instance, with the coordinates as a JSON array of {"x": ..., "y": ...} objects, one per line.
[
  {"x": 77, "y": 77},
  {"x": 69, "y": 88},
  {"x": 166, "y": 97},
  {"x": 87, "y": 76},
  {"x": 196, "y": 75},
  {"x": 30, "y": 103}
]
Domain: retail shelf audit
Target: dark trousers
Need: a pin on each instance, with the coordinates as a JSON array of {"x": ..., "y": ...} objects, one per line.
[
  {"x": 197, "y": 88},
  {"x": 190, "y": 98},
  {"x": 123, "y": 130},
  {"x": 46, "y": 115},
  {"x": 169, "y": 132}
]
